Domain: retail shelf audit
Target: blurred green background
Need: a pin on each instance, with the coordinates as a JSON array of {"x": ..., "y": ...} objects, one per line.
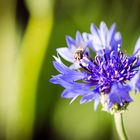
[{"x": 30, "y": 31}]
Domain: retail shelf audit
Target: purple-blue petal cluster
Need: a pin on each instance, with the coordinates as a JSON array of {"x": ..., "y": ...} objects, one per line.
[{"x": 106, "y": 78}]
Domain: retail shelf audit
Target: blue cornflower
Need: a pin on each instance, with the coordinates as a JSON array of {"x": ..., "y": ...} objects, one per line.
[{"x": 106, "y": 78}]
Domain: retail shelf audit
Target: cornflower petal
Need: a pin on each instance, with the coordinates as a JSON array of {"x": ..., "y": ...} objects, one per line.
[
  {"x": 103, "y": 34},
  {"x": 66, "y": 54},
  {"x": 93, "y": 96},
  {"x": 78, "y": 37},
  {"x": 68, "y": 74},
  {"x": 135, "y": 82},
  {"x": 137, "y": 47},
  {"x": 111, "y": 33},
  {"x": 119, "y": 94},
  {"x": 70, "y": 42}
]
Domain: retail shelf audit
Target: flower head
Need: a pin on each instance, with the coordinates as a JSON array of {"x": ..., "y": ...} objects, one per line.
[{"x": 106, "y": 78}]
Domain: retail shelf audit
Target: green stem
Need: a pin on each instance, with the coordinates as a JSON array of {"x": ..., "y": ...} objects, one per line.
[{"x": 118, "y": 117}]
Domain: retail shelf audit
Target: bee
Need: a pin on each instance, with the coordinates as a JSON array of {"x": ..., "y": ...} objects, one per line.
[{"x": 78, "y": 55}]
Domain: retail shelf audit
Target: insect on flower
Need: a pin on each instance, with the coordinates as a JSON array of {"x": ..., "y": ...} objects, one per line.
[
  {"x": 106, "y": 78},
  {"x": 78, "y": 54}
]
